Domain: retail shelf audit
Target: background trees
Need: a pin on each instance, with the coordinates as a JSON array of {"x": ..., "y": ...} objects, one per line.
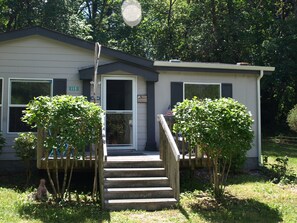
[{"x": 226, "y": 31}]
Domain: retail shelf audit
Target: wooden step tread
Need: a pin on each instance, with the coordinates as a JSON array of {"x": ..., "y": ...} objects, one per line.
[
  {"x": 133, "y": 169},
  {"x": 146, "y": 200},
  {"x": 135, "y": 178},
  {"x": 138, "y": 189}
]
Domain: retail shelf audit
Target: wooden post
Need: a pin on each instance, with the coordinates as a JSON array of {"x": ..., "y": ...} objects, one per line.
[{"x": 170, "y": 155}]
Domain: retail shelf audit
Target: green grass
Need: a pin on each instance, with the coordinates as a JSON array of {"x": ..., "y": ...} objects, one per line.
[
  {"x": 250, "y": 197},
  {"x": 273, "y": 150}
]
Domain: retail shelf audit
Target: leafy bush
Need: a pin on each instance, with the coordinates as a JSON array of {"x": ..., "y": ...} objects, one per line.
[
  {"x": 2, "y": 142},
  {"x": 278, "y": 171},
  {"x": 292, "y": 119},
  {"x": 221, "y": 127},
  {"x": 70, "y": 124},
  {"x": 25, "y": 147}
]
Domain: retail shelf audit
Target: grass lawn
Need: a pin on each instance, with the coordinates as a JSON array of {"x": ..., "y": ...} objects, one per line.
[
  {"x": 273, "y": 150},
  {"x": 250, "y": 197}
]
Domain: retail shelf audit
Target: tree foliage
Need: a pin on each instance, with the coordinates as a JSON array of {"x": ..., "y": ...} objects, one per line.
[
  {"x": 226, "y": 31},
  {"x": 292, "y": 119},
  {"x": 70, "y": 124},
  {"x": 2, "y": 142},
  {"x": 221, "y": 127}
]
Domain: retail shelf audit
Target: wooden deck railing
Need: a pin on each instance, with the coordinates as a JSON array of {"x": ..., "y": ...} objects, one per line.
[
  {"x": 170, "y": 155},
  {"x": 288, "y": 140},
  {"x": 195, "y": 158},
  {"x": 84, "y": 160}
]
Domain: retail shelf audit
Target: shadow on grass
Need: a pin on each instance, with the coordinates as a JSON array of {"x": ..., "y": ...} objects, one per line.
[
  {"x": 17, "y": 180},
  {"x": 63, "y": 213},
  {"x": 249, "y": 177},
  {"x": 82, "y": 182},
  {"x": 200, "y": 179},
  {"x": 277, "y": 149},
  {"x": 232, "y": 209}
]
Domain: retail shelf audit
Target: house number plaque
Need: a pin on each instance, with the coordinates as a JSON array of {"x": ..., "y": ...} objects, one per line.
[
  {"x": 141, "y": 98},
  {"x": 73, "y": 88}
]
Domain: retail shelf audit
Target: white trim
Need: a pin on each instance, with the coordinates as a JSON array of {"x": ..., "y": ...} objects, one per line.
[
  {"x": 198, "y": 83},
  {"x": 212, "y": 66},
  {"x": 259, "y": 141},
  {"x": 9, "y": 105},
  {"x": 104, "y": 78},
  {"x": 1, "y": 117}
]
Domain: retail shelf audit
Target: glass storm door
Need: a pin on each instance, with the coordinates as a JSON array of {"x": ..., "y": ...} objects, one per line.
[{"x": 119, "y": 107}]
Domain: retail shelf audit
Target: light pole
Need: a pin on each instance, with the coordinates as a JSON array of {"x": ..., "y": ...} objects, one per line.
[
  {"x": 131, "y": 12},
  {"x": 96, "y": 64}
]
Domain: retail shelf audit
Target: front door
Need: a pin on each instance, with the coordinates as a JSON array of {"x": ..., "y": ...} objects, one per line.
[{"x": 119, "y": 104}]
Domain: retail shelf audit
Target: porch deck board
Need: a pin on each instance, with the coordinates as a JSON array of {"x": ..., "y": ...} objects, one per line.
[
  {"x": 89, "y": 161},
  {"x": 134, "y": 156}
]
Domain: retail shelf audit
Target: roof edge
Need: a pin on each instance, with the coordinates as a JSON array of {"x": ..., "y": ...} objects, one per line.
[{"x": 197, "y": 65}]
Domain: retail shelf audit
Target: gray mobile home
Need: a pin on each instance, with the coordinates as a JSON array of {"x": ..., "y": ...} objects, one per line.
[{"x": 132, "y": 90}]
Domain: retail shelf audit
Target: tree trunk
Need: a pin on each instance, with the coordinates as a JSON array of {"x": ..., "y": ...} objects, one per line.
[
  {"x": 65, "y": 171},
  {"x": 70, "y": 175},
  {"x": 50, "y": 177},
  {"x": 95, "y": 183},
  {"x": 56, "y": 170}
]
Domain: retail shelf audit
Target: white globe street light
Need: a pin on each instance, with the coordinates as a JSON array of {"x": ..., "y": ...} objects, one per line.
[{"x": 131, "y": 12}]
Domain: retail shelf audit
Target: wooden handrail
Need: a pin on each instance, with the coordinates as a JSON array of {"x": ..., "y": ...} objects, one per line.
[
  {"x": 169, "y": 153},
  {"x": 102, "y": 159},
  {"x": 169, "y": 136},
  {"x": 104, "y": 141}
]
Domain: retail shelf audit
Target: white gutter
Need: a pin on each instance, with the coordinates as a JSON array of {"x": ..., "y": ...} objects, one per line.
[
  {"x": 259, "y": 117},
  {"x": 211, "y": 66}
]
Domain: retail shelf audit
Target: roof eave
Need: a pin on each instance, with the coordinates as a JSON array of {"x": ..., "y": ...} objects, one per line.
[{"x": 191, "y": 66}]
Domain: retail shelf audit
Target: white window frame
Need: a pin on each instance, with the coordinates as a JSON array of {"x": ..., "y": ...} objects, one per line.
[
  {"x": 22, "y": 105},
  {"x": 199, "y": 83},
  {"x": 1, "y": 104}
]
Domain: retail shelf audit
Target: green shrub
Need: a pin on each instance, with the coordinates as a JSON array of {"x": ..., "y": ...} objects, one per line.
[
  {"x": 66, "y": 120},
  {"x": 222, "y": 128},
  {"x": 279, "y": 171},
  {"x": 292, "y": 119},
  {"x": 2, "y": 142},
  {"x": 25, "y": 147}
]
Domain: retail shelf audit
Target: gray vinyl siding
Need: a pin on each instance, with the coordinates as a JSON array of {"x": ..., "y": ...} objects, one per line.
[
  {"x": 244, "y": 91},
  {"x": 39, "y": 57}
]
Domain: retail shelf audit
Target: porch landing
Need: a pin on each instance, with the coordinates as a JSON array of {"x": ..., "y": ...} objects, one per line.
[
  {"x": 132, "y": 155},
  {"x": 88, "y": 161}
]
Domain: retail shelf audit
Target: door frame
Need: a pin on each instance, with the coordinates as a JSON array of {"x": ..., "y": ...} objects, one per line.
[{"x": 104, "y": 78}]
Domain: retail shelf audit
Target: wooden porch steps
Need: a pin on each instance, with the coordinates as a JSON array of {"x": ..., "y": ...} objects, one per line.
[{"x": 136, "y": 184}]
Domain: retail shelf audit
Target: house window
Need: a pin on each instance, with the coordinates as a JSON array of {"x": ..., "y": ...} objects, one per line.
[
  {"x": 202, "y": 91},
  {"x": 1, "y": 95},
  {"x": 21, "y": 92}
]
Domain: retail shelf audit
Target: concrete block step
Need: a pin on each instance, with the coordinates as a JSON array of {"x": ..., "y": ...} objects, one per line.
[
  {"x": 134, "y": 172},
  {"x": 118, "y": 182},
  {"x": 140, "y": 204},
  {"x": 134, "y": 164},
  {"x": 140, "y": 192}
]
